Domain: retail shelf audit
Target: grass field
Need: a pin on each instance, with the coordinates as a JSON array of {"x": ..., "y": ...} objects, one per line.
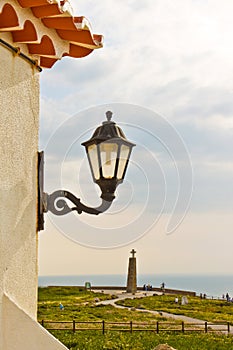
[
  {"x": 203, "y": 309},
  {"x": 80, "y": 305}
]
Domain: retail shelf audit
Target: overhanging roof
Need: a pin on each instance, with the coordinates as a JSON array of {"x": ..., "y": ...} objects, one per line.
[{"x": 48, "y": 29}]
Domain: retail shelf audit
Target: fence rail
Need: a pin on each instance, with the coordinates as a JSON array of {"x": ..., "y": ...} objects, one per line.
[{"x": 157, "y": 327}]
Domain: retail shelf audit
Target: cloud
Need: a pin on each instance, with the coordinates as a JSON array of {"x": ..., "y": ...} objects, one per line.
[{"x": 156, "y": 56}]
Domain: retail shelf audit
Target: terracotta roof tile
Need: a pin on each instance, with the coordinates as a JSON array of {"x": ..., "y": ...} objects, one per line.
[
  {"x": 8, "y": 17},
  {"x": 48, "y": 28},
  {"x": 26, "y": 35},
  {"x": 45, "y": 10}
]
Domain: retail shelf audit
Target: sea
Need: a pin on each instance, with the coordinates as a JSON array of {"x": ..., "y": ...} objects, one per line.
[{"x": 214, "y": 286}]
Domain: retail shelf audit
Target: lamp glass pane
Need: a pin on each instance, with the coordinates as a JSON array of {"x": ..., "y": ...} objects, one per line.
[
  {"x": 124, "y": 154},
  {"x": 108, "y": 155},
  {"x": 93, "y": 157}
]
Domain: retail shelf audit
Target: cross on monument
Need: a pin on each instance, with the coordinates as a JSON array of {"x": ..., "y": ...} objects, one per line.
[{"x": 133, "y": 252}]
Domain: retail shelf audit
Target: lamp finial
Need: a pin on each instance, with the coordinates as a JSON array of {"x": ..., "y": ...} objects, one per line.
[{"x": 109, "y": 115}]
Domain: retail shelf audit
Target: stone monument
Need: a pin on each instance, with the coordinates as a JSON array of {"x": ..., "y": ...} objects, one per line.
[{"x": 132, "y": 274}]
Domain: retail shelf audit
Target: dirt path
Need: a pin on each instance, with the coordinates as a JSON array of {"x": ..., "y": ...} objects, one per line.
[{"x": 186, "y": 319}]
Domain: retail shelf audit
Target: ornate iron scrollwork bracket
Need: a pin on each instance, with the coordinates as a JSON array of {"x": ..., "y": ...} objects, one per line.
[{"x": 58, "y": 202}]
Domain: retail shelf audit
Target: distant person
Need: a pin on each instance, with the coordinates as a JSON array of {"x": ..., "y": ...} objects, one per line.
[
  {"x": 176, "y": 300},
  {"x": 227, "y": 297},
  {"x": 149, "y": 287},
  {"x": 162, "y": 286},
  {"x": 61, "y": 307}
]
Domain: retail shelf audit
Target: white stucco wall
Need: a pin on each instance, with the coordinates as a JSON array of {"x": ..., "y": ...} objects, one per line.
[
  {"x": 32, "y": 337},
  {"x": 19, "y": 115},
  {"x": 19, "y": 125}
]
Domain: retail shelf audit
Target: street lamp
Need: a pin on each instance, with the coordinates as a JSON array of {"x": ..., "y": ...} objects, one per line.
[{"x": 108, "y": 152}]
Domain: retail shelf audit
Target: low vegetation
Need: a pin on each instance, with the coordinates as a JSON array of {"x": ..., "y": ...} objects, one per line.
[
  {"x": 82, "y": 305},
  {"x": 143, "y": 341}
]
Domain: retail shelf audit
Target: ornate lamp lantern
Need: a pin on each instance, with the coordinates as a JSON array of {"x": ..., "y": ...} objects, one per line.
[{"x": 108, "y": 153}]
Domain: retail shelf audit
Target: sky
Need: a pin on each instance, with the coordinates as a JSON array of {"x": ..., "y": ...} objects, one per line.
[{"x": 165, "y": 72}]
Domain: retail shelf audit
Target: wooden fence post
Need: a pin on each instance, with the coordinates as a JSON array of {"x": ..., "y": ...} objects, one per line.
[
  {"x": 74, "y": 326},
  {"x": 131, "y": 326},
  {"x": 228, "y": 327},
  {"x": 157, "y": 327},
  {"x": 103, "y": 328},
  {"x": 42, "y": 323},
  {"x": 206, "y": 328},
  {"x": 182, "y": 326}
]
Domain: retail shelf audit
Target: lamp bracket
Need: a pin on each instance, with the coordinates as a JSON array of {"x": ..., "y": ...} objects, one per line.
[
  {"x": 58, "y": 201},
  {"x": 58, "y": 205}
]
